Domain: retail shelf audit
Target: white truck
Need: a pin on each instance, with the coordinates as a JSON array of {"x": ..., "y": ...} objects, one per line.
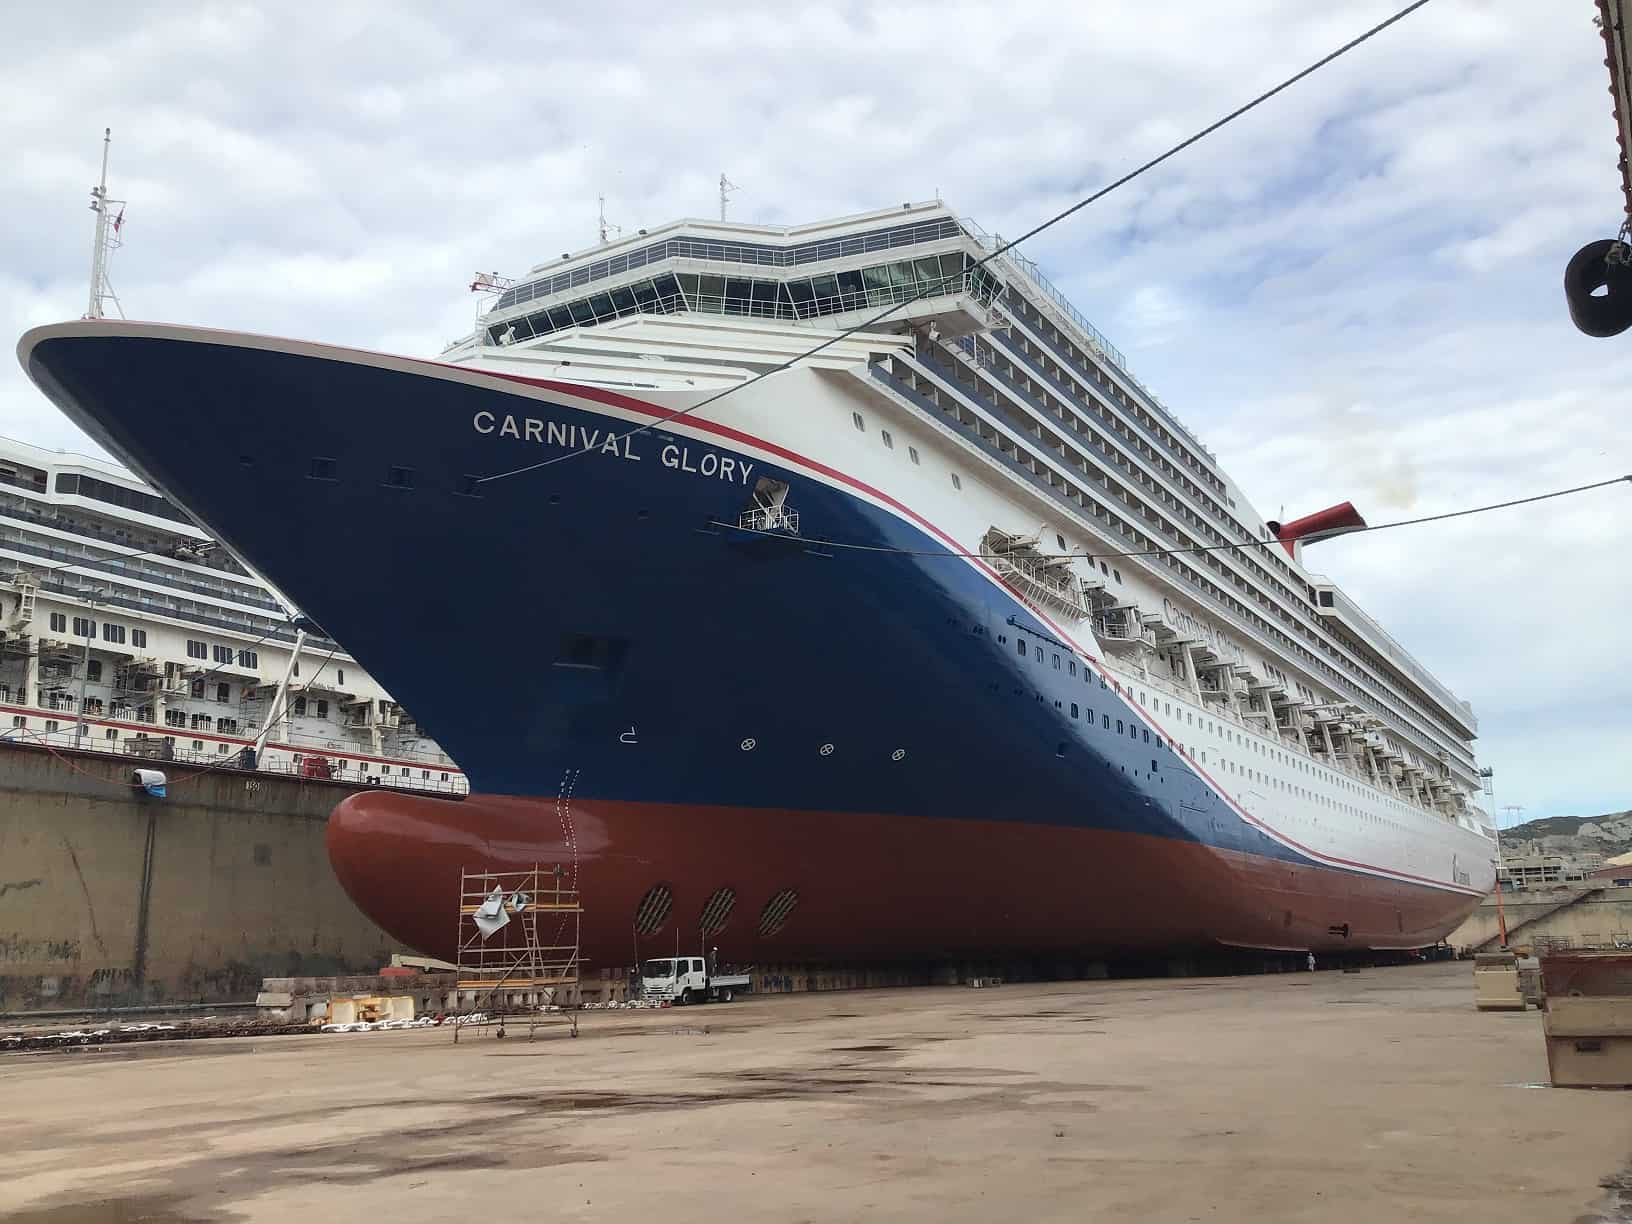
[{"x": 689, "y": 979}]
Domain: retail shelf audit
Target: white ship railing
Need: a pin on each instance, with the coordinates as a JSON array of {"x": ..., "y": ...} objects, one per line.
[
  {"x": 1097, "y": 340},
  {"x": 1131, "y": 681},
  {"x": 67, "y": 736}
]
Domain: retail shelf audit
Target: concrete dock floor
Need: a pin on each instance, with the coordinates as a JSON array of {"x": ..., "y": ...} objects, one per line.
[{"x": 1374, "y": 1096}]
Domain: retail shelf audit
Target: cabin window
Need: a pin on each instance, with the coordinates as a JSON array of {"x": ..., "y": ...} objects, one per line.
[
  {"x": 138, "y": 637},
  {"x": 1056, "y": 662},
  {"x": 1119, "y": 726},
  {"x": 1039, "y": 654},
  {"x": 889, "y": 442},
  {"x": 912, "y": 453},
  {"x": 1073, "y": 664},
  {"x": 1073, "y": 709},
  {"x": 1020, "y": 646},
  {"x": 59, "y": 623},
  {"x": 956, "y": 483},
  {"x": 855, "y": 418}
]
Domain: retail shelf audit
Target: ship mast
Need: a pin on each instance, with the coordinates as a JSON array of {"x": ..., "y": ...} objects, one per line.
[{"x": 107, "y": 239}]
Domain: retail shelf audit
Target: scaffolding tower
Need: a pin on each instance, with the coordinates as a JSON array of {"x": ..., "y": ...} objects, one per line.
[{"x": 518, "y": 950}]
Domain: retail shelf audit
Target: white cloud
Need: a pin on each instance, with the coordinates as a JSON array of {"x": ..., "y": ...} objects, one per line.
[{"x": 1352, "y": 292}]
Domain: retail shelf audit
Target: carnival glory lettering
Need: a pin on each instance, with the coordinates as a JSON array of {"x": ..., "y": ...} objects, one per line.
[{"x": 606, "y": 442}]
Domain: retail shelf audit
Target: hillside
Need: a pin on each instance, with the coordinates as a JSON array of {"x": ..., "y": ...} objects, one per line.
[{"x": 1609, "y": 835}]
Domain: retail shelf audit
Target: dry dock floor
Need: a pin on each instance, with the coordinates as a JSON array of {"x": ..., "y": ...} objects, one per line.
[{"x": 1375, "y": 1096}]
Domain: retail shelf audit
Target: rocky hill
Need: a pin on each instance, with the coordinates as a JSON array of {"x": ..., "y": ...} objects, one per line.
[{"x": 1608, "y": 835}]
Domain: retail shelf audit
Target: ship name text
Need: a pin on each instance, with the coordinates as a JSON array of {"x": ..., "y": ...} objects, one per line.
[{"x": 682, "y": 458}]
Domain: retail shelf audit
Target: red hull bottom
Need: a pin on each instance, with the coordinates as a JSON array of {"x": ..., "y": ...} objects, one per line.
[{"x": 870, "y": 888}]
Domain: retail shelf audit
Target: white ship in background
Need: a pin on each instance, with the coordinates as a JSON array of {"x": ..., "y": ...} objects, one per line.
[{"x": 124, "y": 628}]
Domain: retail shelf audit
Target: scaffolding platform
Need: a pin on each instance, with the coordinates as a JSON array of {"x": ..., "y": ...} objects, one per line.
[{"x": 518, "y": 951}]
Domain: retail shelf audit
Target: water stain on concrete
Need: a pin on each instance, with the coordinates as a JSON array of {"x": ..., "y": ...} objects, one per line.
[{"x": 157, "y": 1209}]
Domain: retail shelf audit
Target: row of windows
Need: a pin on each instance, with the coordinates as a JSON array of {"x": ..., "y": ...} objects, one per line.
[
  {"x": 1203, "y": 723},
  {"x": 72, "y": 553},
  {"x": 812, "y": 297},
  {"x": 224, "y": 655},
  {"x": 84, "y": 627},
  {"x": 118, "y": 495},
  {"x": 764, "y": 254}
]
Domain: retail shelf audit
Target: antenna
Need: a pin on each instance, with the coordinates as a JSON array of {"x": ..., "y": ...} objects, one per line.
[
  {"x": 107, "y": 240},
  {"x": 606, "y": 227},
  {"x": 726, "y": 188},
  {"x": 490, "y": 286}
]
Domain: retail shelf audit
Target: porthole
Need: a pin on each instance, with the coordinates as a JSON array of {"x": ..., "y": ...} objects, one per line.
[
  {"x": 776, "y": 912},
  {"x": 717, "y": 910},
  {"x": 653, "y": 910}
]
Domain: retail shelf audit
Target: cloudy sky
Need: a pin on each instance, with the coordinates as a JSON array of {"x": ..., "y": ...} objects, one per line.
[{"x": 1354, "y": 292}]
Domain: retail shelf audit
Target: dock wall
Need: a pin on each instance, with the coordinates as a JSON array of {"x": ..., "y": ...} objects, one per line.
[
  {"x": 1586, "y": 916},
  {"x": 110, "y": 897}
]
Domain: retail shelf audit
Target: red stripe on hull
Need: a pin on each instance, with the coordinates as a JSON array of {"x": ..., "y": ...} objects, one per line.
[{"x": 870, "y": 887}]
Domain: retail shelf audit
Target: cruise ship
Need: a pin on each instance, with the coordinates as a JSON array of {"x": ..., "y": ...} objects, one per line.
[
  {"x": 125, "y": 628},
  {"x": 946, "y": 639}
]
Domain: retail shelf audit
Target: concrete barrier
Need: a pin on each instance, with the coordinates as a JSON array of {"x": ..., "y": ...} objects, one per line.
[{"x": 109, "y": 897}]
